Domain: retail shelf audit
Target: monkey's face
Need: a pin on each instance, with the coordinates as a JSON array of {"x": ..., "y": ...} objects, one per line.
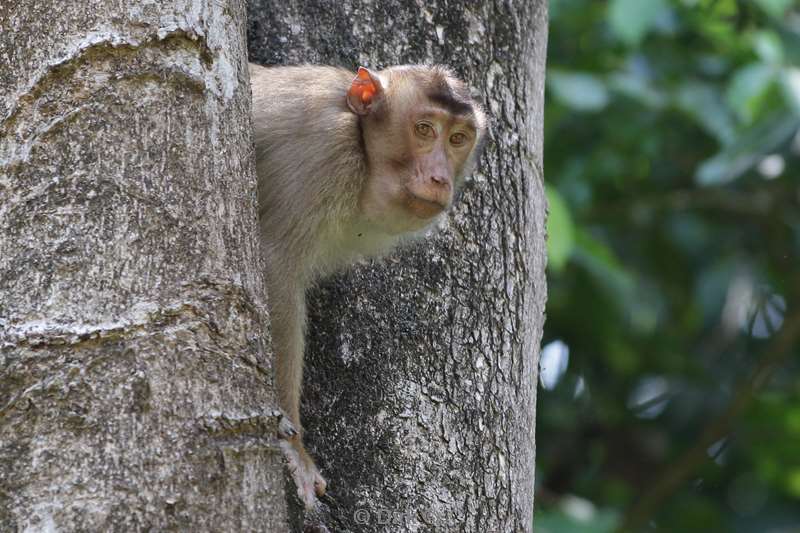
[
  {"x": 413, "y": 176},
  {"x": 419, "y": 139}
]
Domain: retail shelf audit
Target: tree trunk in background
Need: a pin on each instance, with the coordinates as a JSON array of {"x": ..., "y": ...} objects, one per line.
[
  {"x": 420, "y": 389},
  {"x": 135, "y": 376}
]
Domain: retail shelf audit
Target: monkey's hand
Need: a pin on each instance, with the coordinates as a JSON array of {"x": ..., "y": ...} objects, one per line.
[{"x": 309, "y": 482}]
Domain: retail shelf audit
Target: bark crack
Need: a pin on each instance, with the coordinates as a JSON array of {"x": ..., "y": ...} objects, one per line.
[
  {"x": 189, "y": 309},
  {"x": 102, "y": 46}
]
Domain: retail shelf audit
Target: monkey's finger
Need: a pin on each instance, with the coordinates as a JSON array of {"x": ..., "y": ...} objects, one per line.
[
  {"x": 320, "y": 485},
  {"x": 286, "y": 429}
]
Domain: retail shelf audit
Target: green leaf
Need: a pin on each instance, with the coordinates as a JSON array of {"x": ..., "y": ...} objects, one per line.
[
  {"x": 720, "y": 8},
  {"x": 599, "y": 259},
  {"x": 751, "y": 147},
  {"x": 559, "y": 521},
  {"x": 703, "y": 103},
  {"x": 775, "y": 8},
  {"x": 790, "y": 82},
  {"x": 793, "y": 482},
  {"x": 748, "y": 86},
  {"x": 768, "y": 46},
  {"x": 578, "y": 90},
  {"x": 638, "y": 88},
  {"x": 560, "y": 230},
  {"x": 632, "y": 19}
]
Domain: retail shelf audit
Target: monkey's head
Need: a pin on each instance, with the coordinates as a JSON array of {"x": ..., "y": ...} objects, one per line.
[{"x": 422, "y": 132}]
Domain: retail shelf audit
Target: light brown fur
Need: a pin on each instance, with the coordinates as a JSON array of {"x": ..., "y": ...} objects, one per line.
[{"x": 333, "y": 186}]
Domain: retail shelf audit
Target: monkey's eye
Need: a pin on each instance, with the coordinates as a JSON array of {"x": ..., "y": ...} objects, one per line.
[
  {"x": 424, "y": 129},
  {"x": 458, "y": 139}
]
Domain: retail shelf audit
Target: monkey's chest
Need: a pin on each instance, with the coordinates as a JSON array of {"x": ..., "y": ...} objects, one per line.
[{"x": 349, "y": 244}]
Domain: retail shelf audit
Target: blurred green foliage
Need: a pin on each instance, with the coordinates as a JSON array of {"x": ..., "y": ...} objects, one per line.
[{"x": 670, "y": 378}]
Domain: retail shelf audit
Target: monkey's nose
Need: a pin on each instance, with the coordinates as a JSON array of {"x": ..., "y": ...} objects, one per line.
[{"x": 440, "y": 181}]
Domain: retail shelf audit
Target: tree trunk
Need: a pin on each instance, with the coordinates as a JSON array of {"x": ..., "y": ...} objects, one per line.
[
  {"x": 420, "y": 385},
  {"x": 135, "y": 372}
]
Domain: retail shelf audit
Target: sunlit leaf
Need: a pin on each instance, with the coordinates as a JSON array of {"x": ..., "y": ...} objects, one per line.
[
  {"x": 632, "y": 19},
  {"x": 725, "y": 8},
  {"x": 790, "y": 82},
  {"x": 603, "y": 521},
  {"x": 765, "y": 315},
  {"x": 553, "y": 363},
  {"x": 638, "y": 88},
  {"x": 560, "y": 231},
  {"x": 775, "y": 8},
  {"x": 578, "y": 90},
  {"x": 793, "y": 482},
  {"x": 762, "y": 139},
  {"x": 768, "y": 46},
  {"x": 748, "y": 86}
]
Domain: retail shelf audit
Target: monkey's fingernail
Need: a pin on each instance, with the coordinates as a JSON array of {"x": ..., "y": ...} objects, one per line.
[{"x": 286, "y": 429}]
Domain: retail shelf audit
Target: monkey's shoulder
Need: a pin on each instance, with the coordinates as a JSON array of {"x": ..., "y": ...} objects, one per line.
[{"x": 306, "y": 75}]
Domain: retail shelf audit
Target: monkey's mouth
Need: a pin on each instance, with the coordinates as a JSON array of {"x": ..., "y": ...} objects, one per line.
[{"x": 423, "y": 208}]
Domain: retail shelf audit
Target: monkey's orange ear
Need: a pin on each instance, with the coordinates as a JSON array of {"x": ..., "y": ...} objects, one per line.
[{"x": 364, "y": 90}]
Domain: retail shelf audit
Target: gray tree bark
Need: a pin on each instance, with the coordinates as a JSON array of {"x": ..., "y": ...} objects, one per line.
[
  {"x": 135, "y": 371},
  {"x": 420, "y": 385}
]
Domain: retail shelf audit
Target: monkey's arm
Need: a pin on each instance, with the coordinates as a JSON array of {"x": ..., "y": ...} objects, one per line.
[{"x": 288, "y": 317}]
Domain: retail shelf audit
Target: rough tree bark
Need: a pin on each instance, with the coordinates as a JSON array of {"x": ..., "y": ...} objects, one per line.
[
  {"x": 135, "y": 373},
  {"x": 420, "y": 387}
]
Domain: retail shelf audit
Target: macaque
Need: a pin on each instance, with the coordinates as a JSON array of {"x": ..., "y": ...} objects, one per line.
[{"x": 349, "y": 165}]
